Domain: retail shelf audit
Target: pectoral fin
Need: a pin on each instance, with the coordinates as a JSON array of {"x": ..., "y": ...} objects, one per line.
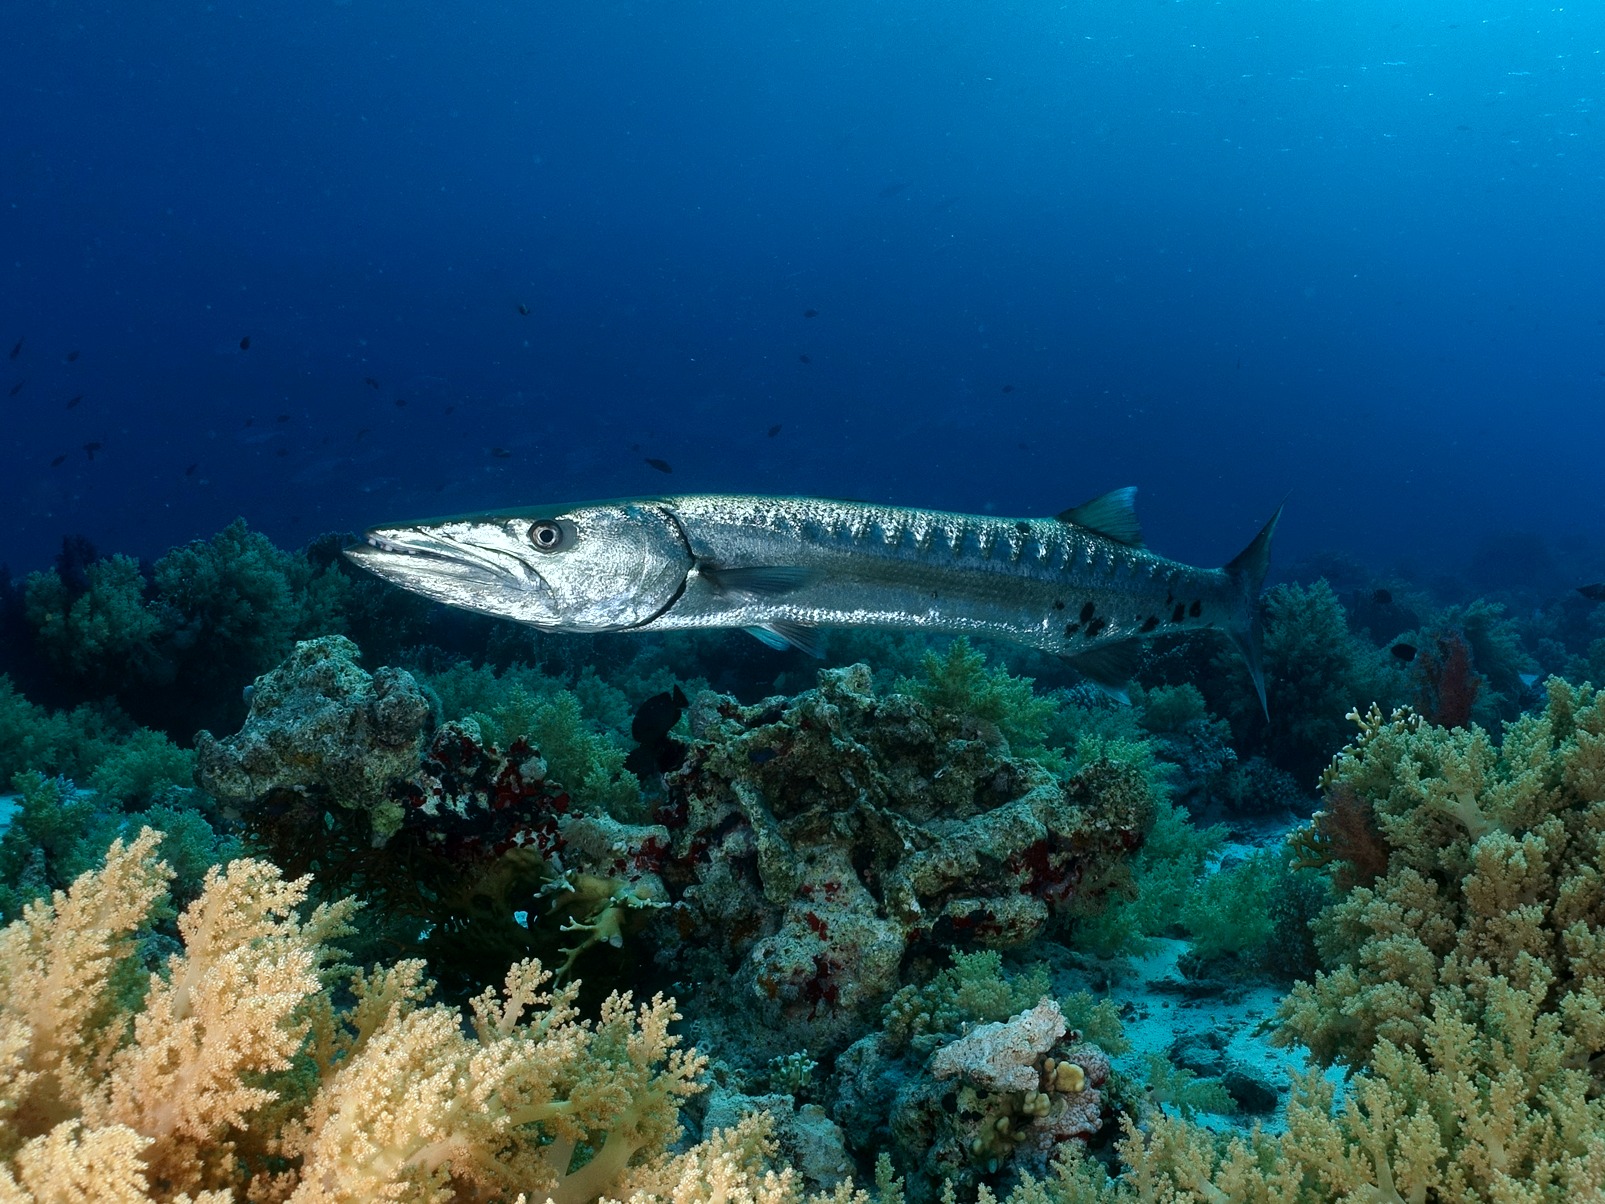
[{"x": 760, "y": 581}]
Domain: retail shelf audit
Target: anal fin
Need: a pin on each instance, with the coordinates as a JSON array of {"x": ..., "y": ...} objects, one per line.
[{"x": 1110, "y": 667}]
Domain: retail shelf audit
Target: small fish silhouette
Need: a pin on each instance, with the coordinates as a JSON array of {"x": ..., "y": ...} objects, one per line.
[
  {"x": 807, "y": 313},
  {"x": 72, "y": 401},
  {"x": 774, "y": 430},
  {"x": 59, "y": 461},
  {"x": 660, "y": 465},
  {"x": 91, "y": 448},
  {"x": 1404, "y": 653},
  {"x": 501, "y": 453},
  {"x": 16, "y": 348},
  {"x": 245, "y": 343},
  {"x": 370, "y": 382}
]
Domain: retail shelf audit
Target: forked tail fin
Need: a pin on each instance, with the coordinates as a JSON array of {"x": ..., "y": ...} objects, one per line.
[{"x": 1247, "y": 572}]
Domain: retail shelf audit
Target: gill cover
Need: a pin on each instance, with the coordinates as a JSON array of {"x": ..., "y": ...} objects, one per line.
[{"x": 603, "y": 567}]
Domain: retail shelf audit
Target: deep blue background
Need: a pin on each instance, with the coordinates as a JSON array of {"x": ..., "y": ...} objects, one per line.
[{"x": 1224, "y": 252}]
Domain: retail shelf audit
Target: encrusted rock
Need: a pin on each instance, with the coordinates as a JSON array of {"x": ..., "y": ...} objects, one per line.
[{"x": 321, "y": 727}]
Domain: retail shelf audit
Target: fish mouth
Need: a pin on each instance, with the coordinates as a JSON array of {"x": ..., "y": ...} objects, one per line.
[{"x": 412, "y": 557}]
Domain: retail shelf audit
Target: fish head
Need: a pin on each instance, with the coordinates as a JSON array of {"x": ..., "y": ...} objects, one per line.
[{"x": 606, "y": 566}]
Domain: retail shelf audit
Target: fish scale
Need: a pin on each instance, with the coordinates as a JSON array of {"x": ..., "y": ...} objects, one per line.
[{"x": 1080, "y": 585}]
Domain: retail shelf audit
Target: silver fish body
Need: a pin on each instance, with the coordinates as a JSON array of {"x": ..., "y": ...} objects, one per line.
[{"x": 1080, "y": 585}]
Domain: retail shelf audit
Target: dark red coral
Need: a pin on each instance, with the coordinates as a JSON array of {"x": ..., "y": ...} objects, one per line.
[
  {"x": 1349, "y": 839},
  {"x": 1447, "y": 684}
]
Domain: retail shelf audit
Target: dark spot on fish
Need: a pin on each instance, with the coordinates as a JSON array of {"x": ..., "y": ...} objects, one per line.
[
  {"x": 1150, "y": 623},
  {"x": 370, "y": 382},
  {"x": 655, "y": 748},
  {"x": 283, "y": 451},
  {"x": 282, "y": 418},
  {"x": 72, "y": 357},
  {"x": 523, "y": 309},
  {"x": 1180, "y": 613},
  {"x": 803, "y": 359},
  {"x": 1058, "y": 604},
  {"x": 245, "y": 343},
  {"x": 401, "y": 403},
  {"x": 1097, "y": 625},
  {"x": 72, "y": 401},
  {"x": 1405, "y": 653},
  {"x": 1024, "y": 528},
  {"x": 1008, "y": 388},
  {"x": 1382, "y": 597},
  {"x": 501, "y": 453},
  {"x": 91, "y": 448},
  {"x": 807, "y": 313},
  {"x": 660, "y": 465},
  {"x": 17, "y": 388},
  {"x": 761, "y": 756},
  {"x": 59, "y": 461},
  {"x": 1595, "y": 590},
  {"x": 1087, "y": 611},
  {"x": 16, "y": 348},
  {"x": 774, "y": 430},
  {"x": 1070, "y": 629},
  {"x": 190, "y": 471},
  {"x": 1196, "y": 609}
]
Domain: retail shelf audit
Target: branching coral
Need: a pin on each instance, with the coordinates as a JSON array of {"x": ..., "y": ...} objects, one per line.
[{"x": 234, "y": 1073}]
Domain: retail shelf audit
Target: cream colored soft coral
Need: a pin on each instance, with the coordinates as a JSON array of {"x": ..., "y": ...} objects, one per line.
[{"x": 234, "y": 1076}]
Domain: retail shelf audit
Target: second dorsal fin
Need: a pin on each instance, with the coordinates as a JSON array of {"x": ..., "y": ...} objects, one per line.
[{"x": 1112, "y": 514}]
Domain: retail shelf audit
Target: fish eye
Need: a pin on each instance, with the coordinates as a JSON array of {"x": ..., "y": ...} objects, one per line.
[{"x": 546, "y": 535}]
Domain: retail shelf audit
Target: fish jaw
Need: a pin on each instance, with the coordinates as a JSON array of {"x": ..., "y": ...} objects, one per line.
[
  {"x": 611, "y": 566},
  {"x": 475, "y": 566}
]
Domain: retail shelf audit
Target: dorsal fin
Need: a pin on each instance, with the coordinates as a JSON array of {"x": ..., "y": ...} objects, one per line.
[{"x": 1112, "y": 514}]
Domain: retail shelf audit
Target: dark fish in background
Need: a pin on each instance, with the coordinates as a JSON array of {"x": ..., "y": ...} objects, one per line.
[
  {"x": 660, "y": 465},
  {"x": 1008, "y": 388},
  {"x": 91, "y": 448},
  {"x": 1596, "y": 591},
  {"x": 1404, "y": 653},
  {"x": 656, "y": 750},
  {"x": 361, "y": 431},
  {"x": 72, "y": 401},
  {"x": 891, "y": 190},
  {"x": 1382, "y": 597},
  {"x": 774, "y": 430},
  {"x": 16, "y": 348},
  {"x": 401, "y": 403},
  {"x": 245, "y": 343},
  {"x": 501, "y": 453},
  {"x": 807, "y": 313},
  {"x": 282, "y": 418},
  {"x": 523, "y": 309},
  {"x": 283, "y": 451},
  {"x": 17, "y": 388},
  {"x": 59, "y": 460},
  {"x": 370, "y": 382},
  {"x": 250, "y": 422},
  {"x": 72, "y": 357},
  {"x": 803, "y": 359},
  {"x": 190, "y": 471}
]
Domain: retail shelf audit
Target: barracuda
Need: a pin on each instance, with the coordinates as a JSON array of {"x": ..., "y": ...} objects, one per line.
[{"x": 1080, "y": 585}]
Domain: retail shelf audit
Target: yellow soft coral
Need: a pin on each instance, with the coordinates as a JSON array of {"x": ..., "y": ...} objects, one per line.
[{"x": 235, "y": 1076}]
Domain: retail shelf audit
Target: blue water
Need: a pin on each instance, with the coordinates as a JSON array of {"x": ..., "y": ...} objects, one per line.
[{"x": 1348, "y": 253}]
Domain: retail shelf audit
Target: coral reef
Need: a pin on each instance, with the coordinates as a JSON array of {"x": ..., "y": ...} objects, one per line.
[{"x": 817, "y": 839}]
